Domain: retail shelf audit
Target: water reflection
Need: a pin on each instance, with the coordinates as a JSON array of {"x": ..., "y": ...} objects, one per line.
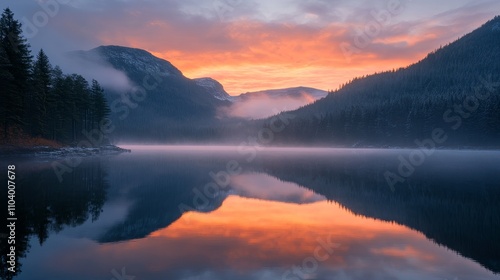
[
  {"x": 269, "y": 218},
  {"x": 44, "y": 205}
]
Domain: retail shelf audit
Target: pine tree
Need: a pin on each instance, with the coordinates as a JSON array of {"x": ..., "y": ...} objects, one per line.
[
  {"x": 100, "y": 108},
  {"x": 7, "y": 95},
  {"x": 18, "y": 56},
  {"x": 55, "y": 105},
  {"x": 41, "y": 93},
  {"x": 79, "y": 101}
]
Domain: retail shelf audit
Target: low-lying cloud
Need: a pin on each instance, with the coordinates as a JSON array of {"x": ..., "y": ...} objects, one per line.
[
  {"x": 262, "y": 105},
  {"x": 98, "y": 69}
]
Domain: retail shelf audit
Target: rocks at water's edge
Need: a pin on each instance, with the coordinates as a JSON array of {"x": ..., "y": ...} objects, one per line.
[{"x": 46, "y": 151}]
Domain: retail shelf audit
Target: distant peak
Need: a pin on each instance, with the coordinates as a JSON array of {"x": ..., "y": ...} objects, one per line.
[
  {"x": 121, "y": 49},
  {"x": 213, "y": 87},
  {"x": 132, "y": 58}
]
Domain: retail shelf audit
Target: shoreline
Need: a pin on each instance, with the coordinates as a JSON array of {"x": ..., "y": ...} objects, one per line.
[{"x": 65, "y": 151}]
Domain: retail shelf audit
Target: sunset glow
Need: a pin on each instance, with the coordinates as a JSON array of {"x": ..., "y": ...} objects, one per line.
[
  {"x": 273, "y": 237},
  {"x": 254, "y": 45}
]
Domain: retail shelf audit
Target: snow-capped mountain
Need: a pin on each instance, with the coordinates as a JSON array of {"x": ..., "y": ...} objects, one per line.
[
  {"x": 168, "y": 99},
  {"x": 295, "y": 92},
  {"x": 214, "y": 87},
  {"x": 127, "y": 59}
]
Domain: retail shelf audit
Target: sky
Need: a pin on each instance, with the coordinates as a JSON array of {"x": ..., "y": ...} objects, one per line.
[{"x": 251, "y": 45}]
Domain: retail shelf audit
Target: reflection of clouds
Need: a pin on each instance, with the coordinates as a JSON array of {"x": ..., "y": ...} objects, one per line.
[
  {"x": 256, "y": 239},
  {"x": 263, "y": 186}
]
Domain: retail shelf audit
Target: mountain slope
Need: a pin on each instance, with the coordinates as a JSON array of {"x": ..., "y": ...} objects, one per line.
[
  {"x": 398, "y": 107},
  {"x": 214, "y": 87},
  {"x": 165, "y": 97}
]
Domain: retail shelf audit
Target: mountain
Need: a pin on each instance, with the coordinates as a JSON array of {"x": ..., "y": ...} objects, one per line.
[
  {"x": 295, "y": 92},
  {"x": 455, "y": 91},
  {"x": 263, "y": 104},
  {"x": 214, "y": 87},
  {"x": 160, "y": 99}
]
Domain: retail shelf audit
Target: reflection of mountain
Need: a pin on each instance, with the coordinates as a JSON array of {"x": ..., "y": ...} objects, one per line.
[
  {"x": 174, "y": 186},
  {"x": 44, "y": 205},
  {"x": 455, "y": 206},
  {"x": 452, "y": 198},
  {"x": 441, "y": 204},
  {"x": 157, "y": 204}
]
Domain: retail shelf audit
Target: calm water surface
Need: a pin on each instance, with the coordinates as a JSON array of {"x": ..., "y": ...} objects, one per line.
[{"x": 228, "y": 213}]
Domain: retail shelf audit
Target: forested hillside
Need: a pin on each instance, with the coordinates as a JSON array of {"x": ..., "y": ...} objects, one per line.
[
  {"x": 37, "y": 100},
  {"x": 161, "y": 101},
  {"x": 455, "y": 88}
]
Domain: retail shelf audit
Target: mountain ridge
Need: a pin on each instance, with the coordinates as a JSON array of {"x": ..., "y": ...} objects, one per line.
[
  {"x": 396, "y": 108},
  {"x": 170, "y": 98}
]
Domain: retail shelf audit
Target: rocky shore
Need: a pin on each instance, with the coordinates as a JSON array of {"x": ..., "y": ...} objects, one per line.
[{"x": 52, "y": 152}]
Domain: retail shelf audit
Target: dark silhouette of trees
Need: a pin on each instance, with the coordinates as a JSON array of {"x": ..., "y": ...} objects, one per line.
[
  {"x": 40, "y": 100},
  {"x": 399, "y": 106},
  {"x": 47, "y": 205},
  {"x": 100, "y": 108},
  {"x": 16, "y": 61}
]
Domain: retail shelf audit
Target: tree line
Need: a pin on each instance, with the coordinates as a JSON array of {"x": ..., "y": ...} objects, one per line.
[
  {"x": 455, "y": 88},
  {"x": 38, "y": 100}
]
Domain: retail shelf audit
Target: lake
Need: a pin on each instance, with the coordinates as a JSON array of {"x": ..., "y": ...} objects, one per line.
[{"x": 186, "y": 212}]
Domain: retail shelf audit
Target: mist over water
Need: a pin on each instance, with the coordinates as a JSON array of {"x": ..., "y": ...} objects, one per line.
[
  {"x": 263, "y": 106},
  {"x": 223, "y": 212}
]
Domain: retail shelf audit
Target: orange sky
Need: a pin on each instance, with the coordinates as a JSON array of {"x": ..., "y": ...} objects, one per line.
[
  {"x": 260, "y": 44},
  {"x": 266, "y": 56}
]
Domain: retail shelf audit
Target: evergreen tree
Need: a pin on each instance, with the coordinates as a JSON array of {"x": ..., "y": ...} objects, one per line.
[
  {"x": 18, "y": 56},
  {"x": 41, "y": 94},
  {"x": 56, "y": 105},
  {"x": 8, "y": 94},
  {"x": 100, "y": 108},
  {"x": 42, "y": 100}
]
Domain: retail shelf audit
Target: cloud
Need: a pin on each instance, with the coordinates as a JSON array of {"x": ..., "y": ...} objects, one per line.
[
  {"x": 257, "y": 44},
  {"x": 265, "y": 187},
  {"x": 259, "y": 106},
  {"x": 99, "y": 70}
]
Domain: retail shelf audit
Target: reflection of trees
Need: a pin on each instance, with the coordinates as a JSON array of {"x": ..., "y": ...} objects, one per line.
[
  {"x": 45, "y": 205},
  {"x": 455, "y": 208},
  {"x": 166, "y": 191}
]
